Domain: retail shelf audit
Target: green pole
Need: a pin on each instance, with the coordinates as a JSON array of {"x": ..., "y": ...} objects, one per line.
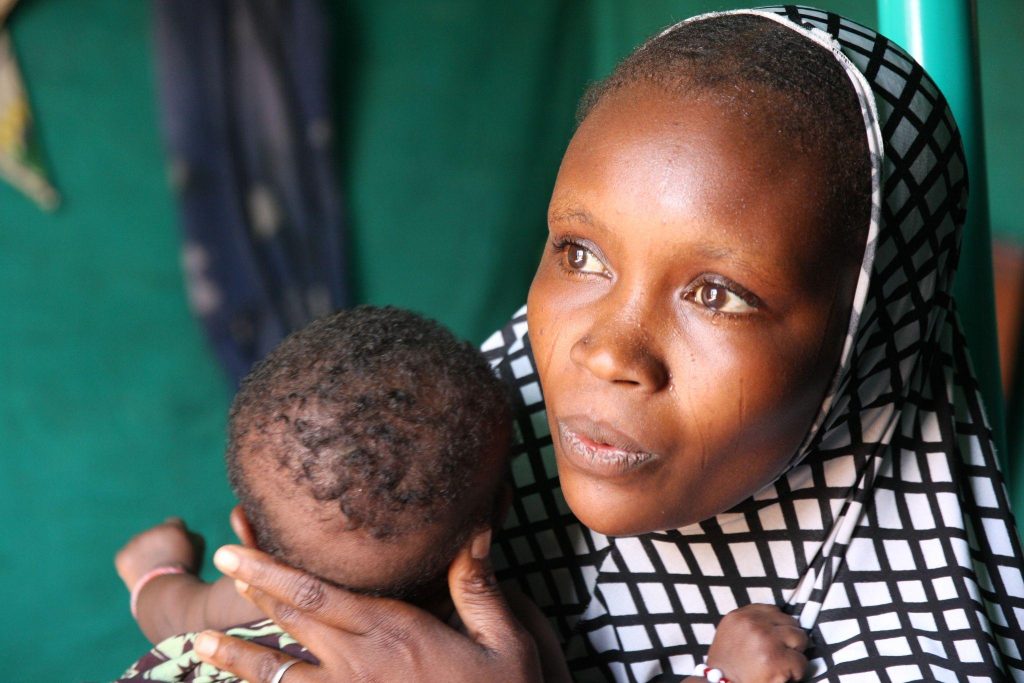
[{"x": 942, "y": 36}]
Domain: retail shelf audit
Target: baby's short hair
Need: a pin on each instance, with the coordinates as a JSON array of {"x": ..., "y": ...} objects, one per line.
[{"x": 378, "y": 410}]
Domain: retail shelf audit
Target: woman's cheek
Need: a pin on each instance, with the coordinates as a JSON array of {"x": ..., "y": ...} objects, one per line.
[
  {"x": 556, "y": 314},
  {"x": 538, "y": 317}
]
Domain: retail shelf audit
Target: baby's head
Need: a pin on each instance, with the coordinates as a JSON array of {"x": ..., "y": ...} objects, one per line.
[{"x": 367, "y": 447}]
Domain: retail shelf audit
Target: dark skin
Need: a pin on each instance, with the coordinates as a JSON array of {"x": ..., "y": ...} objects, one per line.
[
  {"x": 178, "y": 603},
  {"x": 318, "y": 536},
  {"x": 684, "y": 326},
  {"x": 686, "y": 319}
]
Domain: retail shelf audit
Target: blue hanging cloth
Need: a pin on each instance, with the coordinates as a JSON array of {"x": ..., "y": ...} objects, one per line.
[{"x": 244, "y": 94}]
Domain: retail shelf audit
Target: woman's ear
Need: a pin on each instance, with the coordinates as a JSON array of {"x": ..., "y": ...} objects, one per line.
[{"x": 242, "y": 528}]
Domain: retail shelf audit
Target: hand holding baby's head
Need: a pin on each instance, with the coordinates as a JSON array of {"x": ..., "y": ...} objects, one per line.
[{"x": 367, "y": 447}]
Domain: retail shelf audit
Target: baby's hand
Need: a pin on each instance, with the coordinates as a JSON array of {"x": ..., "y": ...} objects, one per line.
[
  {"x": 759, "y": 644},
  {"x": 167, "y": 544}
]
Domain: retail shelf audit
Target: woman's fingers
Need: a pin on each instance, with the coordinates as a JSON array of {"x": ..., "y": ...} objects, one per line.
[
  {"x": 479, "y": 601},
  {"x": 297, "y": 589},
  {"x": 358, "y": 637},
  {"x": 325, "y": 645},
  {"x": 251, "y": 662}
]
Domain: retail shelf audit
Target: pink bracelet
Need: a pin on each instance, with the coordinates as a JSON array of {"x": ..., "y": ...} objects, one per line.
[{"x": 146, "y": 578}]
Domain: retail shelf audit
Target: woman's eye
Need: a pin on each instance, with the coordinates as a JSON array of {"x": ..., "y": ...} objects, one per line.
[
  {"x": 720, "y": 299},
  {"x": 579, "y": 259}
]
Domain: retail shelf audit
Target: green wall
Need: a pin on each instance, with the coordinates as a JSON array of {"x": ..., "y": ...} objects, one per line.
[
  {"x": 1001, "y": 31},
  {"x": 112, "y": 411},
  {"x": 110, "y": 404}
]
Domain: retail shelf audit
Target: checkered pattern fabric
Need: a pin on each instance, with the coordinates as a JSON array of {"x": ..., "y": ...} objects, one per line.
[{"x": 890, "y": 537}]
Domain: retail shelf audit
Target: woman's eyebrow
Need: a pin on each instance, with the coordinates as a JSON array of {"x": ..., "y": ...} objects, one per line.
[
  {"x": 718, "y": 252},
  {"x": 723, "y": 252},
  {"x": 737, "y": 257},
  {"x": 574, "y": 214}
]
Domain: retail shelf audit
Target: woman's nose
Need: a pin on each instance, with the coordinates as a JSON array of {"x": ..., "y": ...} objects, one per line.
[{"x": 622, "y": 356}]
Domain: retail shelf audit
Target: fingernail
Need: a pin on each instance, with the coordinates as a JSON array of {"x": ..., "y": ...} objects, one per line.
[
  {"x": 481, "y": 545},
  {"x": 205, "y": 645},
  {"x": 226, "y": 560},
  {"x": 241, "y": 586}
]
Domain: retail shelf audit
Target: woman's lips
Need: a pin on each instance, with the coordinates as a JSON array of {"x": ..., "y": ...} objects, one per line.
[{"x": 601, "y": 449}]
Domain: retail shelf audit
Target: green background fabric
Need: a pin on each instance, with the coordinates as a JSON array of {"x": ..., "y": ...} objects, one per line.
[{"x": 453, "y": 117}]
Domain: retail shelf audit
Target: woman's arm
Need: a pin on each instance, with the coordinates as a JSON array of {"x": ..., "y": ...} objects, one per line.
[{"x": 358, "y": 637}]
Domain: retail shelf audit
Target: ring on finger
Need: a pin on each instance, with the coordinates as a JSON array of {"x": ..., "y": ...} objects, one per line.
[{"x": 279, "y": 674}]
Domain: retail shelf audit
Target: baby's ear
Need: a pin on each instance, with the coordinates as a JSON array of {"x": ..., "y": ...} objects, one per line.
[{"x": 242, "y": 528}]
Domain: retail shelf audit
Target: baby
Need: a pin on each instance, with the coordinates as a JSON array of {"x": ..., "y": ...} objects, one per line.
[{"x": 370, "y": 448}]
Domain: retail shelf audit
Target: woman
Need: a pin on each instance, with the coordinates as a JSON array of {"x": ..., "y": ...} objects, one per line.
[{"x": 745, "y": 336}]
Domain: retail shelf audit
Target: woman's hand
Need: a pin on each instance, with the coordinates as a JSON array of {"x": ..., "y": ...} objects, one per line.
[
  {"x": 362, "y": 638},
  {"x": 169, "y": 544}
]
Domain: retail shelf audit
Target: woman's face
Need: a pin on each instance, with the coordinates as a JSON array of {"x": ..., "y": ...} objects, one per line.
[{"x": 688, "y": 311}]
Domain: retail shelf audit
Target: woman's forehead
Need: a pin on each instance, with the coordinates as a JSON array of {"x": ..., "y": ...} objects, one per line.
[
  {"x": 691, "y": 177},
  {"x": 677, "y": 149}
]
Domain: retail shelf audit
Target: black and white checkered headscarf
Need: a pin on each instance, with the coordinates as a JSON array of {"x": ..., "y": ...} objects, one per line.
[{"x": 890, "y": 538}]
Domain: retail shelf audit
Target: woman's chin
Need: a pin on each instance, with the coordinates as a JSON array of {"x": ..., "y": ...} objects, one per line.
[{"x": 619, "y": 513}]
